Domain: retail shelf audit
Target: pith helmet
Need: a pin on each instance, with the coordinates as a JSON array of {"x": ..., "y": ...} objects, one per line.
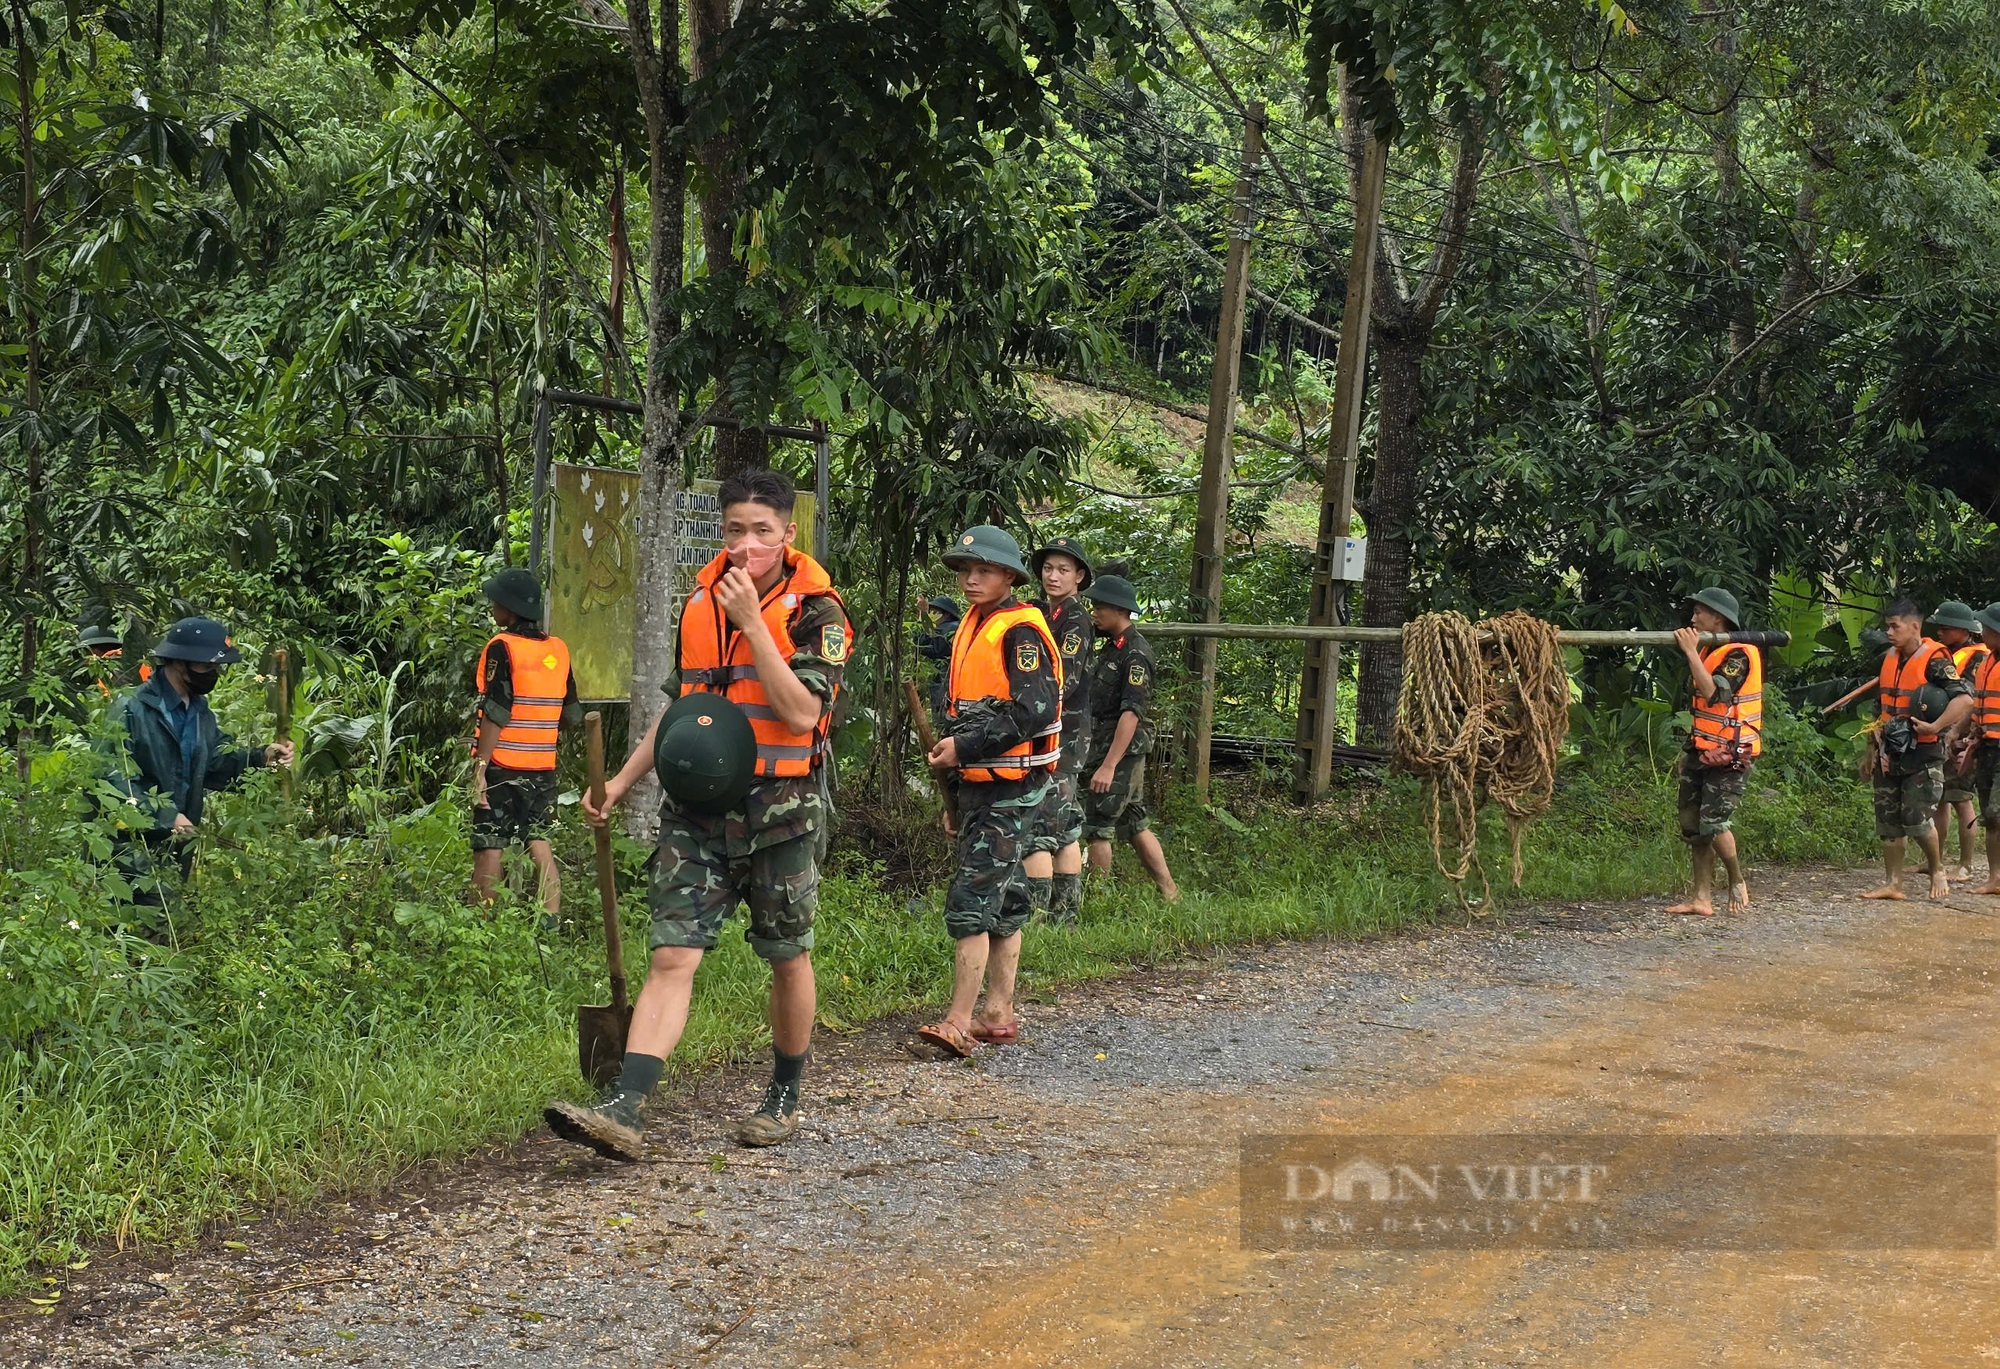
[
  {"x": 201, "y": 640},
  {"x": 518, "y": 590},
  {"x": 1722, "y": 601},
  {"x": 1989, "y": 617},
  {"x": 1065, "y": 546},
  {"x": 94, "y": 634},
  {"x": 995, "y": 546},
  {"x": 946, "y": 606},
  {"x": 1116, "y": 591},
  {"x": 1951, "y": 613},
  {"x": 705, "y": 753}
]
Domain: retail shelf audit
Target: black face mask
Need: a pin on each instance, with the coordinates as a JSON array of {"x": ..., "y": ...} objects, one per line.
[{"x": 200, "y": 682}]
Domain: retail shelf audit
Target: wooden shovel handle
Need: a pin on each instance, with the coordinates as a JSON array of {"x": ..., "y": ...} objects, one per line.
[
  {"x": 607, "y": 874},
  {"x": 920, "y": 717},
  {"x": 281, "y": 662}
]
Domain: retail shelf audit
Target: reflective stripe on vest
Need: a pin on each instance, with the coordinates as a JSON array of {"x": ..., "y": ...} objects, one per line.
[
  {"x": 1738, "y": 725},
  {"x": 540, "y": 669},
  {"x": 979, "y": 671},
  {"x": 715, "y": 657},
  {"x": 1986, "y": 698},
  {"x": 1897, "y": 686}
]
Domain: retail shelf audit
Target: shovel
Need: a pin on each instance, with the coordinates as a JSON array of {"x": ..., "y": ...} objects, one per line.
[{"x": 600, "y": 1031}]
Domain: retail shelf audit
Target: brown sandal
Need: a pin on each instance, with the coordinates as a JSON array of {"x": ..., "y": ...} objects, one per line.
[
  {"x": 997, "y": 1033},
  {"x": 948, "y": 1037}
]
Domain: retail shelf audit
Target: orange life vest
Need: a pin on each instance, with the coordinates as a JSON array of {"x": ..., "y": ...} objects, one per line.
[
  {"x": 1967, "y": 658},
  {"x": 1737, "y": 726},
  {"x": 541, "y": 678},
  {"x": 1897, "y": 686},
  {"x": 1986, "y": 698},
  {"x": 716, "y": 657},
  {"x": 979, "y": 671}
]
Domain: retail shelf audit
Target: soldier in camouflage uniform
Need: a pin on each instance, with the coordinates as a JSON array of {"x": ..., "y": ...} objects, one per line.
[
  {"x": 1055, "y": 851},
  {"x": 1121, "y": 691},
  {"x": 1909, "y": 779},
  {"x": 764, "y": 628},
  {"x": 1005, "y": 719}
]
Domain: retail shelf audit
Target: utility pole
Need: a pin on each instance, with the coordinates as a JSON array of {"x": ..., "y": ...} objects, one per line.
[
  {"x": 1212, "y": 518},
  {"x": 1319, "y": 686}
]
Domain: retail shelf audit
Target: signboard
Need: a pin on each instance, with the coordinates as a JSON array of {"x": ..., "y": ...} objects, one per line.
[{"x": 594, "y": 565}]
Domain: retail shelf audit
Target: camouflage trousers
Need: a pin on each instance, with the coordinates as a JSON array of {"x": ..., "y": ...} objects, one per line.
[
  {"x": 989, "y": 889},
  {"x": 698, "y": 881},
  {"x": 1120, "y": 811},
  {"x": 1708, "y": 798},
  {"x": 1904, "y": 804},
  {"x": 520, "y": 806},
  {"x": 1986, "y": 782},
  {"x": 1059, "y": 821}
]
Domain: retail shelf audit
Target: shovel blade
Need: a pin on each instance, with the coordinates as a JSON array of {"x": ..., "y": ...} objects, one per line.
[{"x": 600, "y": 1042}]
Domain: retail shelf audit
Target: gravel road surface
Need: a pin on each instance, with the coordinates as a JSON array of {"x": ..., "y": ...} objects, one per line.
[{"x": 1074, "y": 1199}]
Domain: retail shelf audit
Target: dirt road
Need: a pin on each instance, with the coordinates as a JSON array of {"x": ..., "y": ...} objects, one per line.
[{"x": 1073, "y": 1200}]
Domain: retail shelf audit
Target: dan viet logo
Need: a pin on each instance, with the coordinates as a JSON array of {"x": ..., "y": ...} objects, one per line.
[
  {"x": 1542, "y": 1180},
  {"x": 1782, "y": 1191}
]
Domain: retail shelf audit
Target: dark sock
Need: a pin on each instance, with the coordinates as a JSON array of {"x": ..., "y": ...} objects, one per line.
[
  {"x": 1038, "y": 893},
  {"x": 786, "y": 1069},
  {"x": 641, "y": 1073},
  {"x": 1067, "y": 898}
]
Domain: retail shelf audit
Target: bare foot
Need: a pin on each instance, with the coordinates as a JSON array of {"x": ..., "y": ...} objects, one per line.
[
  {"x": 1700, "y": 907},
  {"x": 1962, "y": 873},
  {"x": 1888, "y": 891},
  {"x": 1940, "y": 886},
  {"x": 1991, "y": 886},
  {"x": 1739, "y": 897}
]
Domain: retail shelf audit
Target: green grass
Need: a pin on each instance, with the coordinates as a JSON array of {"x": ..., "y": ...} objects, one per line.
[{"x": 336, "y": 1017}]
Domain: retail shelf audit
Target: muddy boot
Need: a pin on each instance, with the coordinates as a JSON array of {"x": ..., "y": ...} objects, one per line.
[
  {"x": 611, "y": 1128},
  {"x": 777, "y": 1120}
]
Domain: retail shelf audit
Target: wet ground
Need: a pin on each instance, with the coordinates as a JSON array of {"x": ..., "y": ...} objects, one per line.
[{"x": 1074, "y": 1199}]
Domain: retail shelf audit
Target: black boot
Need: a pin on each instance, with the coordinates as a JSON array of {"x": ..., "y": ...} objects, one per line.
[{"x": 611, "y": 1128}]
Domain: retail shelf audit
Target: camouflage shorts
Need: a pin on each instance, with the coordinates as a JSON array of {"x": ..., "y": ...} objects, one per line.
[
  {"x": 1059, "y": 821},
  {"x": 1959, "y": 784},
  {"x": 697, "y": 883},
  {"x": 1904, "y": 803},
  {"x": 520, "y": 806},
  {"x": 1121, "y": 811},
  {"x": 1986, "y": 783},
  {"x": 1708, "y": 798},
  {"x": 989, "y": 889}
]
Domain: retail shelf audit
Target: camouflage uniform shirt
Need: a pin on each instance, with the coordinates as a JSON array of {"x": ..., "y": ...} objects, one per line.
[
  {"x": 1121, "y": 681},
  {"x": 1069, "y": 623}
]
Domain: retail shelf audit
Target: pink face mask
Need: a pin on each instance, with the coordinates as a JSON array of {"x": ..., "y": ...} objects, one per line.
[{"x": 756, "y": 557}]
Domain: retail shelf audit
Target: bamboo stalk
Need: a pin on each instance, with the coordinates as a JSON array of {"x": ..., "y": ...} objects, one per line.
[{"x": 1292, "y": 632}]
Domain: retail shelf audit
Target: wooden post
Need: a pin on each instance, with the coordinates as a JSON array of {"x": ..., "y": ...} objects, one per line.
[
  {"x": 1212, "y": 519},
  {"x": 1319, "y": 685},
  {"x": 281, "y": 662}
]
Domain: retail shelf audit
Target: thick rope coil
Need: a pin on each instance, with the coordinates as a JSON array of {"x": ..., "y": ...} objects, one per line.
[{"x": 1478, "y": 720}]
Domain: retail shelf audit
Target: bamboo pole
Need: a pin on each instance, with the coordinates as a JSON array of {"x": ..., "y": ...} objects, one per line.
[{"x": 1292, "y": 632}]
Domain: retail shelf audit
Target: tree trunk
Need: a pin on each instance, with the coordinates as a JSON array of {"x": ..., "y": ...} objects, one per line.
[
  {"x": 720, "y": 193},
  {"x": 659, "y": 77},
  {"x": 35, "y": 493},
  {"x": 1391, "y": 510}
]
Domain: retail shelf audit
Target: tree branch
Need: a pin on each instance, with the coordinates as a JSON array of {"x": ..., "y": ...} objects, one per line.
[{"x": 1440, "y": 270}]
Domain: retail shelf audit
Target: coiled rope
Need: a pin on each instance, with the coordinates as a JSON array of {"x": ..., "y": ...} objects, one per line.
[{"x": 1482, "y": 715}]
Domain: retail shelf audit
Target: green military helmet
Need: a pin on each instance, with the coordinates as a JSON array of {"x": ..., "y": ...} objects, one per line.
[
  {"x": 517, "y": 590},
  {"x": 705, "y": 753},
  {"x": 1722, "y": 601},
  {"x": 995, "y": 546},
  {"x": 1929, "y": 702},
  {"x": 202, "y": 641},
  {"x": 1063, "y": 546},
  {"x": 92, "y": 633},
  {"x": 1116, "y": 591},
  {"x": 1952, "y": 613},
  {"x": 1989, "y": 617}
]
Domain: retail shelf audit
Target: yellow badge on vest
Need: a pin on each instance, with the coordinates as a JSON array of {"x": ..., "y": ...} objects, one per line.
[
  {"x": 833, "y": 643},
  {"x": 549, "y": 661},
  {"x": 1027, "y": 656}
]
